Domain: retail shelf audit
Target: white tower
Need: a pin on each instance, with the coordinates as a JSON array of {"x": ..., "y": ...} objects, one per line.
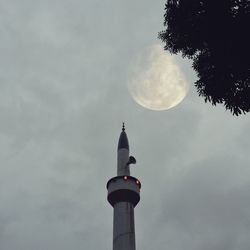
[{"x": 123, "y": 195}]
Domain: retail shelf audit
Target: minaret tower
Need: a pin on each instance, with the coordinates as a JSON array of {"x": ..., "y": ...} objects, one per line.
[{"x": 123, "y": 195}]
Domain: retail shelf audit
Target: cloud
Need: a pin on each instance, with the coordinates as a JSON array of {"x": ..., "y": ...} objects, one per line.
[{"x": 63, "y": 97}]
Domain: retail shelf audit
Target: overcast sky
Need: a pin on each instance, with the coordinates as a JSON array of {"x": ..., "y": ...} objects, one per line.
[{"x": 64, "y": 68}]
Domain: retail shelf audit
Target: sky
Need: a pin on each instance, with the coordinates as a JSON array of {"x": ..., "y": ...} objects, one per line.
[{"x": 64, "y": 69}]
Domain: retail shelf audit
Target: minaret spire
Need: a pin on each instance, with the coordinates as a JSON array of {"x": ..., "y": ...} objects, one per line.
[
  {"x": 123, "y": 140},
  {"x": 123, "y": 195}
]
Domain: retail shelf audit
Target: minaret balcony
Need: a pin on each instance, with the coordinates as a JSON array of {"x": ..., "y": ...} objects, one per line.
[{"x": 123, "y": 189}]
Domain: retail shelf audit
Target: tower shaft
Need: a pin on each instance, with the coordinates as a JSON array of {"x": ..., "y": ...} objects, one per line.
[{"x": 123, "y": 226}]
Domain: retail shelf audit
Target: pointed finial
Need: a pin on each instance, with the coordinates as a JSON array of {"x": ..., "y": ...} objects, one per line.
[{"x": 123, "y": 139}]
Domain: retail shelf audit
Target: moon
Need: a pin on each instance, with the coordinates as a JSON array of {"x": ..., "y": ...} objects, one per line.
[{"x": 156, "y": 80}]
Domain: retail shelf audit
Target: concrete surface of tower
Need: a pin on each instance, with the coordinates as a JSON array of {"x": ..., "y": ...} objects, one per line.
[{"x": 123, "y": 195}]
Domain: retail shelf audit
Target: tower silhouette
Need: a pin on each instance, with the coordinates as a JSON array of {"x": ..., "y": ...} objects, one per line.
[{"x": 123, "y": 195}]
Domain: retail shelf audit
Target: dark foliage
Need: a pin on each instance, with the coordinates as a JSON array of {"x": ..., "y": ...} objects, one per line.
[{"x": 216, "y": 35}]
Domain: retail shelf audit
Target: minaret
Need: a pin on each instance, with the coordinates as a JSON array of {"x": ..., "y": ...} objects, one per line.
[{"x": 123, "y": 195}]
